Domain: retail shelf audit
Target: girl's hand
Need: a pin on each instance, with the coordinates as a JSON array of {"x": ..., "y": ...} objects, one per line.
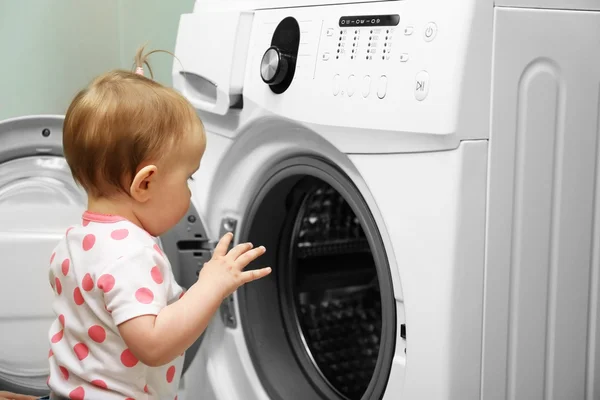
[{"x": 225, "y": 270}]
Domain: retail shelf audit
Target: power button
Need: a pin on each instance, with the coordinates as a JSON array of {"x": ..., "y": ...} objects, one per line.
[{"x": 430, "y": 31}]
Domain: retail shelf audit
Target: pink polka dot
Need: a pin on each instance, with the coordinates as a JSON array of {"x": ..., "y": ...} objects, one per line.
[
  {"x": 97, "y": 333},
  {"x": 58, "y": 285},
  {"x": 52, "y": 257},
  {"x": 144, "y": 295},
  {"x": 181, "y": 295},
  {"x": 50, "y": 353},
  {"x": 130, "y": 398},
  {"x": 57, "y": 337},
  {"x": 107, "y": 310},
  {"x": 64, "y": 372},
  {"x": 88, "y": 241},
  {"x": 175, "y": 397},
  {"x": 48, "y": 381},
  {"x": 158, "y": 249},
  {"x": 100, "y": 383},
  {"x": 65, "y": 266},
  {"x": 119, "y": 234},
  {"x": 156, "y": 275},
  {"x": 106, "y": 282},
  {"x": 77, "y": 394},
  {"x": 86, "y": 222},
  {"x": 170, "y": 374},
  {"x": 88, "y": 283},
  {"x": 78, "y": 297},
  {"x": 128, "y": 359},
  {"x": 68, "y": 230},
  {"x": 61, "y": 318},
  {"x": 146, "y": 389},
  {"x": 81, "y": 350}
]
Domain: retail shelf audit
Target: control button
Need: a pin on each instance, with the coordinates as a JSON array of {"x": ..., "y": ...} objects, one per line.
[
  {"x": 404, "y": 57},
  {"x": 381, "y": 90},
  {"x": 366, "y": 89},
  {"x": 409, "y": 30},
  {"x": 351, "y": 85},
  {"x": 336, "y": 85},
  {"x": 430, "y": 31},
  {"x": 421, "y": 85},
  {"x": 330, "y": 32},
  {"x": 325, "y": 56},
  {"x": 274, "y": 66}
]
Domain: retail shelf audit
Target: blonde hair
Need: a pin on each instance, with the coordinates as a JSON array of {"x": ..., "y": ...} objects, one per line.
[{"x": 121, "y": 120}]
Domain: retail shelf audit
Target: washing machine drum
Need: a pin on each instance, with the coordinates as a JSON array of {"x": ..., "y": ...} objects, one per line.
[{"x": 322, "y": 325}]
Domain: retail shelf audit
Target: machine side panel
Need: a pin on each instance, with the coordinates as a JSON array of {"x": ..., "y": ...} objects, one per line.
[{"x": 541, "y": 312}]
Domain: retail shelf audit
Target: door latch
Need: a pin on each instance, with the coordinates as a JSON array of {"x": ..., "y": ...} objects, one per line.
[{"x": 227, "y": 308}]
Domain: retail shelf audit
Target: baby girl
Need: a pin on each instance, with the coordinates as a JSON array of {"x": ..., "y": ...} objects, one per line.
[{"x": 123, "y": 323}]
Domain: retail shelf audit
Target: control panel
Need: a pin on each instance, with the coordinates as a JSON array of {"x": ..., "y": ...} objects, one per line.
[
  {"x": 374, "y": 38},
  {"x": 368, "y": 55},
  {"x": 405, "y": 60},
  {"x": 378, "y": 48}
]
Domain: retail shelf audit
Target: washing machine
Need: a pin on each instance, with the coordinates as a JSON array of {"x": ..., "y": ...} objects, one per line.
[
  {"x": 323, "y": 146},
  {"x": 37, "y": 200},
  {"x": 424, "y": 176}
]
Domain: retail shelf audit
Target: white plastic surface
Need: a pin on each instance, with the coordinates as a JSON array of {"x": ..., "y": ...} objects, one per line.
[
  {"x": 542, "y": 321},
  {"x": 433, "y": 205},
  {"x": 220, "y": 5},
  {"x": 28, "y": 233},
  {"x": 585, "y": 5},
  {"x": 242, "y": 165},
  {"x": 368, "y": 119},
  {"x": 450, "y": 67},
  {"x": 523, "y": 320},
  {"x": 432, "y": 224},
  {"x": 236, "y": 5},
  {"x": 211, "y": 71}
]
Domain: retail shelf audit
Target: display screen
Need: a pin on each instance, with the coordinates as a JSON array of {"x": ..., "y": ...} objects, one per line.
[{"x": 370, "y": 20}]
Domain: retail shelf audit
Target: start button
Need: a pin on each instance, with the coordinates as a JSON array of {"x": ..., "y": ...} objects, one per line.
[{"x": 430, "y": 31}]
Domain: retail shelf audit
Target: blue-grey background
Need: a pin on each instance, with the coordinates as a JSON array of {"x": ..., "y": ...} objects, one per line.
[{"x": 50, "y": 49}]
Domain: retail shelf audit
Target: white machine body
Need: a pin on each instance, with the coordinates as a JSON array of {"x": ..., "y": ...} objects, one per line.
[
  {"x": 449, "y": 134},
  {"x": 469, "y": 130}
]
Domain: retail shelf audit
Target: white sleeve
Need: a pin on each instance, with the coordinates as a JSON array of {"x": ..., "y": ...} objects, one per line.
[{"x": 135, "y": 285}]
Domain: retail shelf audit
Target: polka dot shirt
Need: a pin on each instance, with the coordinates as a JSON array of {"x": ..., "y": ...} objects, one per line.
[{"x": 103, "y": 273}]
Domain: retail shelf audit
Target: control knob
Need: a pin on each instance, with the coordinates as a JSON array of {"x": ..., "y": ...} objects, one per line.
[{"x": 274, "y": 66}]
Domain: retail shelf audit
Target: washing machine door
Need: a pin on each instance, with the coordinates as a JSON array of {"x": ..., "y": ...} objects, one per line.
[{"x": 39, "y": 200}]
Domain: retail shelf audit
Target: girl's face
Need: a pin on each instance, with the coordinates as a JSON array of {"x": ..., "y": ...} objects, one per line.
[{"x": 170, "y": 195}]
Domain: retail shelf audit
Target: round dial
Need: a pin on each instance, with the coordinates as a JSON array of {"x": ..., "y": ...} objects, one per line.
[{"x": 274, "y": 66}]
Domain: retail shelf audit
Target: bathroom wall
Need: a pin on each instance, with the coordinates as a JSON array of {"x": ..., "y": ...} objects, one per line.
[
  {"x": 153, "y": 22},
  {"x": 50, "y": 49}
]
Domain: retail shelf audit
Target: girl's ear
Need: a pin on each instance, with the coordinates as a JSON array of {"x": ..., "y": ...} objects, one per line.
[{"x": 140, "y": 187}]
